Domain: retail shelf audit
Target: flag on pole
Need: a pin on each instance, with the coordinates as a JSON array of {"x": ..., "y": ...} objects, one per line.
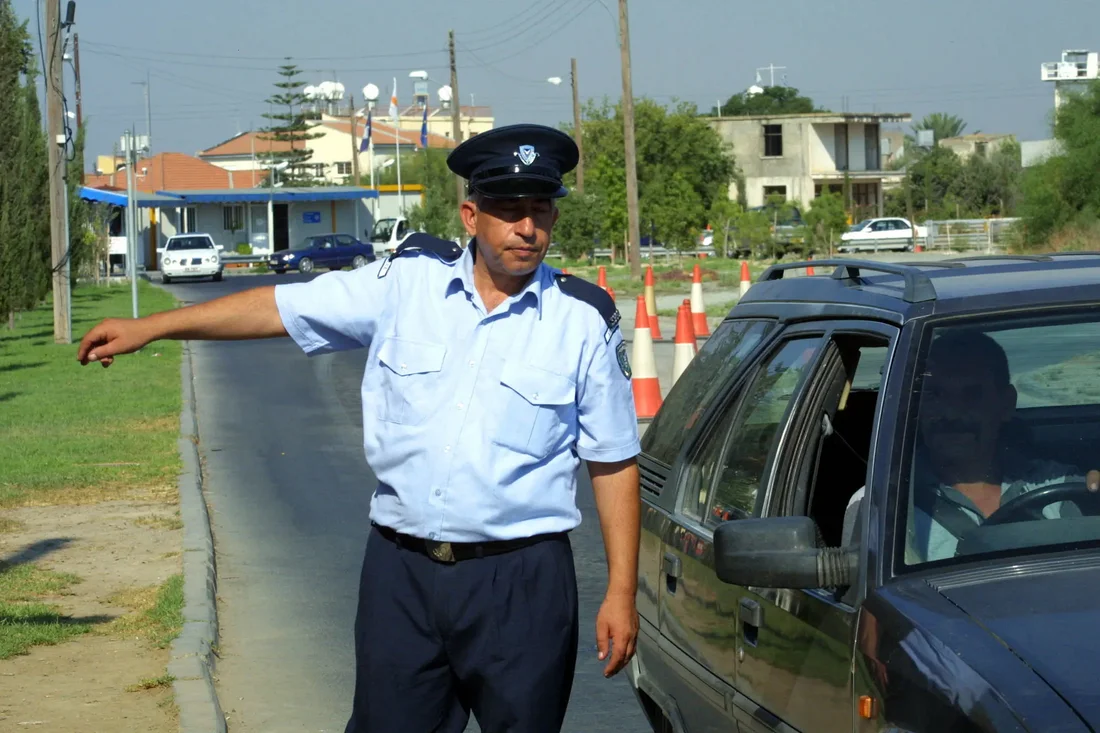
[
  {"x": 395, "y": 115},
  {"x": 365, "y": 142},
  {"x": 424, "y": 129}
]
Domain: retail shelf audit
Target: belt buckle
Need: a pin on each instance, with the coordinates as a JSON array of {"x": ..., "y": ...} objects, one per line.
[{"x": 441, "y": 551}]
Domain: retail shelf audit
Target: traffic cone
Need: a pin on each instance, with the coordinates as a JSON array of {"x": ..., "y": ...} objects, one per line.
[
  {"x": 810, "y": 269},
  {"x": 611, "y": 292},
  {"x": 683, "y": 342},
  {"x": 564, "y": 271},
  {"x": 601, "y": 278},
  {"x": 698, "y": 310},
  {"x": 651, "y": 304},
  {"x": 746, "y": 279},
  {"x": 647, "y": 390}
]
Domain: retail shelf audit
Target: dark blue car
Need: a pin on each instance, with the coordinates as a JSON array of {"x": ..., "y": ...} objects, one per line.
[{"x": 331, "y": 251}]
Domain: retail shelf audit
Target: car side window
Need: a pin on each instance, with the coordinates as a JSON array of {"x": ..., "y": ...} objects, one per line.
[
  {"x": 344, "y": 240},
  {"x": 762, "y": 415},
  {"x": 696, "y": 389}
]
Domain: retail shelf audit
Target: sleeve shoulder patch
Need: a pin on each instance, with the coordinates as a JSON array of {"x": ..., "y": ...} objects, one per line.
[{"x": 594, "y": 296}]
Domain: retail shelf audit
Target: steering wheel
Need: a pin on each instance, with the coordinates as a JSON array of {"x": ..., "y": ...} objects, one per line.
[{"x": 1031, "y": 505}]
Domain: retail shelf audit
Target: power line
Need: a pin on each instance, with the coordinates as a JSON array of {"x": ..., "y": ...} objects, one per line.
[
  {"x": 512, "y": 21},
  {"x": 184, "y": 54},
  {"x": 537, "y": 24}
]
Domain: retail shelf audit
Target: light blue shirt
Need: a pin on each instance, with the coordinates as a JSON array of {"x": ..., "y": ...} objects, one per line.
[{"x": 473, "y": 422}]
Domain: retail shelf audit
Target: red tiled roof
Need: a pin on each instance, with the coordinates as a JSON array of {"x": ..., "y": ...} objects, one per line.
[
  {"x": 177, "y": 172},
  {"x": 243, "y": 143},
  {"x": 387, "y": 135}
]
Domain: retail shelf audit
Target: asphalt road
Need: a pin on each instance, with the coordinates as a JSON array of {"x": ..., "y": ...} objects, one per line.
[{"x": 289, "y": 489}]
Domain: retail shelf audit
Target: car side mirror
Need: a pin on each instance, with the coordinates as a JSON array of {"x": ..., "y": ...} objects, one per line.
[
  {"x": 220, "y": 247},
  {"x": 780, "y": 552}
]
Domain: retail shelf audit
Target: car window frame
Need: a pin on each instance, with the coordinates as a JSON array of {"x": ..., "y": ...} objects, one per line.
[
  {"x": 732, "y": 398},
  {"x": 783, "y": 496}
]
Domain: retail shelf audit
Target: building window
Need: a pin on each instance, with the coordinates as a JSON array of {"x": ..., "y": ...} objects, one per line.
[
  {"x": 773, "y": 141},
  {"x": 770, "y": 191},
  {"x": 343, "y": 169},
  {"x": 189, "y": 217},
  {"x": 872, "y": 147},
  {"x": 841, "y": 146},
  {"x": 232, "y": 218}
]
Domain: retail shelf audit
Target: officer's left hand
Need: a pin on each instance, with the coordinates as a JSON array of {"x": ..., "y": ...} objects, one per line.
[
  {"x": 617, "y": 628},
  {"x": 1092, "y": 480}
]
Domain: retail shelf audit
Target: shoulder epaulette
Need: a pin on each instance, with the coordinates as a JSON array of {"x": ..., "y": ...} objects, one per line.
[
  {"x": 594, "y": 296},
  {"x": 418, "y": 243}
]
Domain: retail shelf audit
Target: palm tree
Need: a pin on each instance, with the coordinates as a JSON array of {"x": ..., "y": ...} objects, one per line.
[{"x": 941, "y": 124}]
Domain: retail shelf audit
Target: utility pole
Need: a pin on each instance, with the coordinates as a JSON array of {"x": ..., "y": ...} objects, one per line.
[
  {"x": 633, "y": 233},
  {"x": 456, "y": 127},
  {"x": 56, "y": 144},
  {"x": 148, "y": 117},
  {"x": 577, "y": 132},
  {"x": 132, "y": 220},
  {"x": 76, "y": 74},
  {"x": 354, "y": 157}
]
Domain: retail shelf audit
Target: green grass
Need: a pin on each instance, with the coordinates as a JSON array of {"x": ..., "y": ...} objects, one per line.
[
  {"x": 152, "y": 683},
  {"x": 158, "y": 612},
  {"x": 8, "y": 526},
  {"x": 669, "y": 276},
  {"x": 72, "y": 434},
  {"x": 25, "y": 624}
]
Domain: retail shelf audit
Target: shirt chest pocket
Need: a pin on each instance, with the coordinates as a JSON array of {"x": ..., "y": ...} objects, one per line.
[
  {"x": 539, "y": 410},
  {"x": 410, "y": 378}
]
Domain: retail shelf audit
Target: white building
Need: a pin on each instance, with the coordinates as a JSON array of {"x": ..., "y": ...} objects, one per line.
[
  {"x": 1072, "y": 74},
  {"x": 800, "y": 155}
]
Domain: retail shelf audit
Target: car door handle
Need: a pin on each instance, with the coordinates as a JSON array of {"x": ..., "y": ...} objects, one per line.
[
  {"x": 673, "y": 568},
  {"x": 751, "y": 613}
]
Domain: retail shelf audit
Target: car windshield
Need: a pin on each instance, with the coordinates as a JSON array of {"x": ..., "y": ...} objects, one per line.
[
  {"x": 382, "y": 230},
  {"x": 179, "y": 243},
  {"x": 859, "y": 226},
  {"x": 1006, "y": 428}
]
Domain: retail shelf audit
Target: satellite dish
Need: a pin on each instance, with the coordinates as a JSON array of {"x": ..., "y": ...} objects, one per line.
[
  {"x": 445, "y": 93},
  {"x": 555, "y": 80},
  {"x": 324, "y": 89},
  {"x": 310, "y": 91},
  {"x": 370, "y": 92},
  {"x": 338, "y": 90},
  {"x": 754, "y": 90}
]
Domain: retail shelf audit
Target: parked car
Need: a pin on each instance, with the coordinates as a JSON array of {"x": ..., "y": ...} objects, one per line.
[
  {"x": 331, "y": 251},
  {"x": 190, "y": 255},
  {"x": 810, "y": 559},
  {"x": 889, "y": 233},
  {"x": 388, "y": 234}
]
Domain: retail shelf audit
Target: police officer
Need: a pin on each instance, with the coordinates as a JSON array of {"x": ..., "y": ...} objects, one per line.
[{"x": 489, "y": 377}]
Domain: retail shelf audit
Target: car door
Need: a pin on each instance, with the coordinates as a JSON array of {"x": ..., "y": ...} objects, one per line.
[
  {"x": 720, "y": 480},
  {"x": 324, "y": 248},
  {"x": 346, "y": 249},
  {"x": 796, "y": 646}
]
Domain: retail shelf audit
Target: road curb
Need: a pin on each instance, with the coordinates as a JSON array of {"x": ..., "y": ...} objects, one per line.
[{"x": 192, "y": 655}]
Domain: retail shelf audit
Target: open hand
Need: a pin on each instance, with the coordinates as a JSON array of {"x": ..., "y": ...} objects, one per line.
[
  {"x": 110, "y": 337},
  {"x": 617, "y": 628},
  {"x": 1092, "y": 480}
]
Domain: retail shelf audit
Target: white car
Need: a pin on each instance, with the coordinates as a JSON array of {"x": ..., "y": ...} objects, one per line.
[
  {"x": 881, "y": 234},
  {"x": 191, "y": 255}
]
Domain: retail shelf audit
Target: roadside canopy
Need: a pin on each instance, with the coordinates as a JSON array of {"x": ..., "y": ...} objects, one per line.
[{"x": 172, "y": 199}]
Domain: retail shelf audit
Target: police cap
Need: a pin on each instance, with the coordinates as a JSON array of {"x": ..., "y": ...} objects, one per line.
[{"x": 516, "y": 161}]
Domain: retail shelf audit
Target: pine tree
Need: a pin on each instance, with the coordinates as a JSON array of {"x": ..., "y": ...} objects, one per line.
[
  {"x": 290, "y": 126},
  {"x": 13, "y": 43}
]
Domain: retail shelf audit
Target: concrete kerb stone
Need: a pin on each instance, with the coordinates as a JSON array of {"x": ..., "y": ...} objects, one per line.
[{"x": 192, "y": 661}]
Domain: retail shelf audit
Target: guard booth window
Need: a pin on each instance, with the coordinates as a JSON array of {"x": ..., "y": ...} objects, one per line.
[{"x": 773, "y": 141}]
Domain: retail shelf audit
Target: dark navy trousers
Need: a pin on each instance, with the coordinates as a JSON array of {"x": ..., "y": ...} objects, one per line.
[{"x": 495, "y": 636}]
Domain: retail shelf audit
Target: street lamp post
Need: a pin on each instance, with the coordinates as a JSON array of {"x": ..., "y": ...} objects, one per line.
[{"x": 370, "y": 93}]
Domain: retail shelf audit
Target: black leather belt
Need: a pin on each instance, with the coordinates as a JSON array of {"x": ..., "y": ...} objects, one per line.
[{"x": 449, "y": 552}]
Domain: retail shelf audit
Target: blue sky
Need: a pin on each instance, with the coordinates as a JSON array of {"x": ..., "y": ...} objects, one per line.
[{"x": 211, "y": 64}]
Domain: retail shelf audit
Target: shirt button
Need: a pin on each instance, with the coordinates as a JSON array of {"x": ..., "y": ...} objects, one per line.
[
  {"x": 446, "y": 449},
  {"x": 459, "y": 405},
  {"x": 404, "y": 366},
  {"x": 535, "y": 396},
  {"x": 471, "y": 362},
  {"x": 438, "y": 492}
]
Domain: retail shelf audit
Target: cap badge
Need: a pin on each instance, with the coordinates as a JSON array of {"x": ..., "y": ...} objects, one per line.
[{"x": 526, "y": 154}]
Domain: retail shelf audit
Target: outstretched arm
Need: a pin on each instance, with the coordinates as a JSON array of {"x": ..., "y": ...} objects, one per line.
[{"x": 251, "y": 314}]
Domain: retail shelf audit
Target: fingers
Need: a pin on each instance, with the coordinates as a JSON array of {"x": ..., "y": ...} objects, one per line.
[
  {"x": 602, "y": 637},
  {"x": 618, "y": 659},
  {"x": 623, "y": 642},
  {"x": 1092, "y": 480}
]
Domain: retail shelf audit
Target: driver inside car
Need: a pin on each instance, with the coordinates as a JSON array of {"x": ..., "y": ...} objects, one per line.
[{"x": 968, "y": 461}]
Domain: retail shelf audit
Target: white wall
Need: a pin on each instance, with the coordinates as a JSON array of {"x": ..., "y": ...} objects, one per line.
[{"x": 822, "y": 148}]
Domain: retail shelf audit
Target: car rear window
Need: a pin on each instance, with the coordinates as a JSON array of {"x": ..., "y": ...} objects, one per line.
[
  {"x": 700, "y": 384},
  {"x": 189, "y": 243}
]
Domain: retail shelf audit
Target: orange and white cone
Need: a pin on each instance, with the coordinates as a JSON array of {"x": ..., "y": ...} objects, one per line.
[
  {"x": 651, "y": 304},
  {"x": 601, "y": 278},
  {"x": 647, "y": 390},
  {"x": 564, "y": 271},
  {"x": 746, "y": 279},
  {"x": 683, "y": 342},
  {"x": 698, "y": 310},
  {"x": 810, "y": 269},
  {"x": 611, "y": 292}
]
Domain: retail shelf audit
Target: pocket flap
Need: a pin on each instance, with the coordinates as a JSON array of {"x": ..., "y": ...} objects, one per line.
[
  {"x": 411, "y": 357},
  {"x": 538, "y": 386}
]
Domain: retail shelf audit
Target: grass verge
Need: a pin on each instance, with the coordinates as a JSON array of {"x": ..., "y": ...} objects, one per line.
[
  {"x": 24, "y": 620},
  {"x": 72, "y": 434},
  {"x": 670, "y": 276},
  {"x": 157, "y": 612},
  {"x": 152, "y": 683}
]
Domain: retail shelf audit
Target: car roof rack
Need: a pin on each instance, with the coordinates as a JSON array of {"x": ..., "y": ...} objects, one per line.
[{"x": 918, "y": 286}]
